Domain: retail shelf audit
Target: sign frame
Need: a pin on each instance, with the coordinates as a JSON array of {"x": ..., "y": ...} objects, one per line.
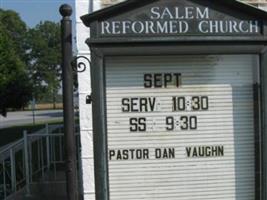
[
  {"x": 231, "y": 7},
  {"x": 101, "y": 48},
  {"x": 98, "y": 68}
]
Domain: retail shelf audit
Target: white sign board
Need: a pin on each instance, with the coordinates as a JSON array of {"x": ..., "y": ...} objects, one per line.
[{"x": 181, "y": 127}]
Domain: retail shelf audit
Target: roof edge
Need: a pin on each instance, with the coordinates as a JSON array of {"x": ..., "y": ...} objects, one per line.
[
  {"x": 132, "y": 4},
  {"x": 244, "y": 6}
]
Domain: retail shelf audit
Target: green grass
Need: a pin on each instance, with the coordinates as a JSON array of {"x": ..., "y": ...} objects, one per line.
[{"x": 11, "y": 134}]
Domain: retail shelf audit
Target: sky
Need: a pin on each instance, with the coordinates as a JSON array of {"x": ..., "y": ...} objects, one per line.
[{"x": 34, "y": 11}]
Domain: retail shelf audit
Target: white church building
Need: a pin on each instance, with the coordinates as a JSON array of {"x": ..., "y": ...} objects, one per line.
[{"x": 83, "y": 7}]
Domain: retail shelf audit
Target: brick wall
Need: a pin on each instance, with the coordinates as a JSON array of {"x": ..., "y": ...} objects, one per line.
[
  {"x": 256, "y": 2},
  {"x": 262, "y": 4},
  {"x": 106, "y": 3}
]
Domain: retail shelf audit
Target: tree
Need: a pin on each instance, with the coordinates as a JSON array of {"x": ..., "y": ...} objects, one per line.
[
  {"x": 45, "y": 56},
  {"x": 16, "y": 30},
  {"x": 15, "y": 86}
]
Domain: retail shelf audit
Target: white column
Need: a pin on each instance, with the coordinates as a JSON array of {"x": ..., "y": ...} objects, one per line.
[{"x": 82, "y": 49}]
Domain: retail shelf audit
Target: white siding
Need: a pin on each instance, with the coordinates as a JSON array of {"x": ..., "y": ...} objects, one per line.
[
  {"x": 82, "y": 32},
  {"x": 227, "y": 80},
  {"x": 84, "y": 79}
]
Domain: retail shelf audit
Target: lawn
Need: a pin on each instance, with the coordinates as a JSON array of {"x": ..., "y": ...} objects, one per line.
[{"x": 11, "y": 134}]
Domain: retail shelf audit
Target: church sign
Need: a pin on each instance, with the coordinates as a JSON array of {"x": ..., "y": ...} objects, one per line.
[
  {"x": 180, "y": 20},
  {"x": 178, "y": 100}
]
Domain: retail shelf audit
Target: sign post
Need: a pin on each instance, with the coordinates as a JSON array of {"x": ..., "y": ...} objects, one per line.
[{"x": 69, "y": 129}]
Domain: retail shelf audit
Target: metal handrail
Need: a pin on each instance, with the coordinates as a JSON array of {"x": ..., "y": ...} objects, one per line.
[
  {"x": 11, "y": 146},
  {"x": 28, "y": 160}
]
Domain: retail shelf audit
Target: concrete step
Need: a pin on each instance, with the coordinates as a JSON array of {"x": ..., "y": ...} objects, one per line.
[
  {"x": 42, "y": 191},
  {"x": 39, "y": 198}
]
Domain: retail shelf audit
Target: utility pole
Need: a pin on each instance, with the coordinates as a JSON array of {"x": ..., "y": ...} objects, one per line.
[{"x": 68, "y": 108}]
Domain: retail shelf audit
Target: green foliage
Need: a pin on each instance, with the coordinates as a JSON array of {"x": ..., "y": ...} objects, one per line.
[
  {"x": 29, "y": 61},
  {"x": 16, "y": 30},
  {"x": 45, "y": 56},
  {"x": 15, "y": 86}
]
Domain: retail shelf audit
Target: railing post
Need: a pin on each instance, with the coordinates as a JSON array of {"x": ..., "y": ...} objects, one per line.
[
  {"x": 4, "y": 178},
  {"x": 26, "y": 160},
  {"x": 42, "y": 158},
  {"x": 47, "y": 145},
  {"x": 13, "y": 170}
]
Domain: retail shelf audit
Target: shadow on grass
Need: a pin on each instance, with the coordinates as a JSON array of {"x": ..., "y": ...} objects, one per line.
[{"x": 11, "y": 134}]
